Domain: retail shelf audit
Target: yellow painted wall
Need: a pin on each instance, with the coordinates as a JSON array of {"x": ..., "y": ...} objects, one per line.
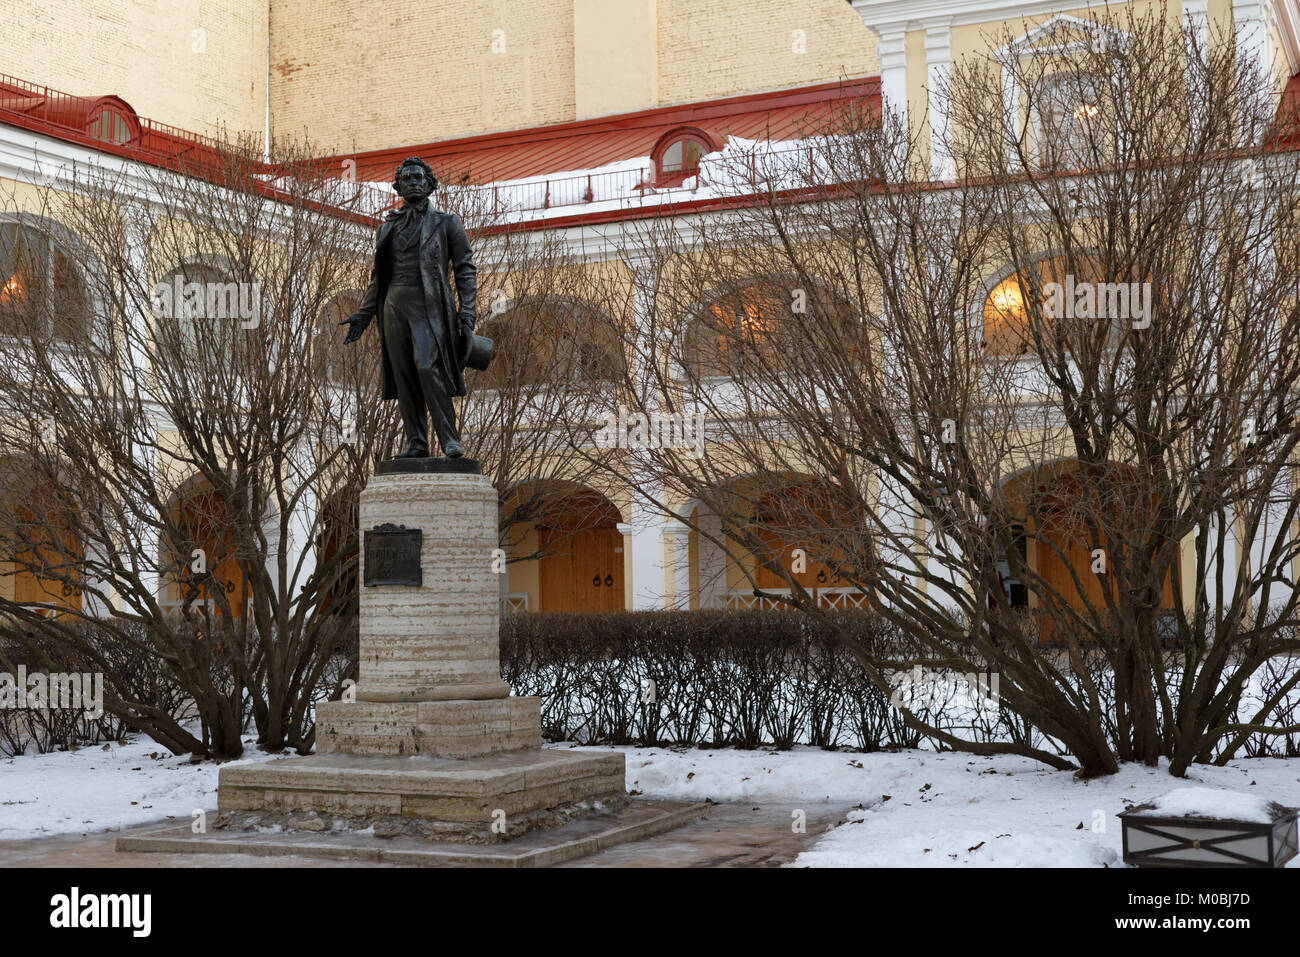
[
  {"x": 615, "y": 56},
  {"x": 524, "y": 575},
  {"x": 196, "y": 64},
  {"x": 712, "y": 48}
]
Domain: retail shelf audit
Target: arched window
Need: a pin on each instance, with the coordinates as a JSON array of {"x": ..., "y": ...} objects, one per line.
[
  {"x": 111, "y": 125},
  {"x": 1071, "y": 303},
  {"x": 677, "y": 156},
  {"x": 550, "y": 342},
  {"x": 770, "y": 327},
  {"x": 1007, "y": 329},
  {"x": 340, "y": 364},
  {"x": 737, "y": 333},
  {"x": 41, "y": 289},
  {"x": 186, "y": 301}
]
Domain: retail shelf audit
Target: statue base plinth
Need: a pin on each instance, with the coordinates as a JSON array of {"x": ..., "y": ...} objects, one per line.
[
  {"x": 433, "y": 746},
  {"x": 462, "y": 728},
  {"x": 489, "y": 798}
]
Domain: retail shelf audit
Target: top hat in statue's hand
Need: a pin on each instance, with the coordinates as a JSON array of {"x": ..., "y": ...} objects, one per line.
[{"x": 477, "y": 350}]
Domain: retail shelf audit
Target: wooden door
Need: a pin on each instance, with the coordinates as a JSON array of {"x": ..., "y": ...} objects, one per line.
[
  {"x": 815, "y": 573},
  {"x": 772, "y": 525},
  {"x": 1070, "y": 537},
  {"x": 584, "y": 572},
  {"x": 51, "y": 546},
  {"x": 204, "y": 523}
]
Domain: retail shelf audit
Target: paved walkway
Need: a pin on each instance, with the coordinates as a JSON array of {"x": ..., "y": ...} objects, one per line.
[{"x": 729, "y": 835}]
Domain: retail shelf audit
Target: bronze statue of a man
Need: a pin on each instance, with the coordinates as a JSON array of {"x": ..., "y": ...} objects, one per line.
[{"x": 423, "y": 337}]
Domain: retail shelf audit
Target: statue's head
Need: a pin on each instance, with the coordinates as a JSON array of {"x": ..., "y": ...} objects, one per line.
[{"x": 413, "y": 180}]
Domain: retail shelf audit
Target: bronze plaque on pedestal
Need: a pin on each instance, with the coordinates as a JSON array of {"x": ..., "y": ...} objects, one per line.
[{"x": 392, "y": 556}]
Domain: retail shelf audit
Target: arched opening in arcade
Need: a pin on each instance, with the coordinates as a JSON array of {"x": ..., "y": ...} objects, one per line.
[
  {"x": 1068, "y": 531},
  {"x": 571, "y": 553},
  {"x": 200, "y": 562},
  {"x": 792, "y": 528}
]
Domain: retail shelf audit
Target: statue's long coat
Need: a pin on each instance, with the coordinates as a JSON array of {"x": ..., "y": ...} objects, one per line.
[{"x": 443, "y": 243}]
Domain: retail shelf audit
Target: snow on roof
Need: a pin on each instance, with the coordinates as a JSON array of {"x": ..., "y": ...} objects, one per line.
[
  {"x": 598, "y": 141},
  {"x": 741, "y": 167}
]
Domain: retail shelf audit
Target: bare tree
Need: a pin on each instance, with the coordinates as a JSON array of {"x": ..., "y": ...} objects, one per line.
[
  {"x": 1043, "y": 416},
  {"x": 182, "y": 397},
  {"x": 182, "y": 416},
  {"x": 556, "y": 361}
]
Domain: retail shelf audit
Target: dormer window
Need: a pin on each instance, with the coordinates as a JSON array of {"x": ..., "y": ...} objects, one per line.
[
  {"x": 110, "y": 125},
  {"x": 677, "y": 157}
]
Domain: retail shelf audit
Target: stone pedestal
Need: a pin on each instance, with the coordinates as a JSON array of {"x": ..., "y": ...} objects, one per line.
[
  {"x": 434, "y": 744},
  {"x": 437, "y": 642}
]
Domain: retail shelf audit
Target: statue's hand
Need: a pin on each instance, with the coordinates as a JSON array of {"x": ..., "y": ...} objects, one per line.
[{"x": 358, "y": 323}]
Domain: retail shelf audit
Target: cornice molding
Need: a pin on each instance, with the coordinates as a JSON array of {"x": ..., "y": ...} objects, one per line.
[{"x": 893, "y": 15}]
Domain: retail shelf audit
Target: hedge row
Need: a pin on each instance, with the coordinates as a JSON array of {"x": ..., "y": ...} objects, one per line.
[{"x": 713, "y": 679}]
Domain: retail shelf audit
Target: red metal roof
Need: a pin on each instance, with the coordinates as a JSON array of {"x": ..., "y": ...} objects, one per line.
[
  {"x": 584, "y": 144},
  {"x": 69, "y": 118},
  {"x": 1287, "y": 122},
  {"x": 66, "y": 117}
]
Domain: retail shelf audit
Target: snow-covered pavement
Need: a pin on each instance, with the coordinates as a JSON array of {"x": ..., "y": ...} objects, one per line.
[
  {"x": 909, "y": 809},
  {"x": 104, "y": 787},
  {"x": 921, "y": 809}
]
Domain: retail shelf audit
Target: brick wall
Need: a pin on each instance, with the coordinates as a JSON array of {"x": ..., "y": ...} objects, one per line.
[
  {"x": 196, "y": 64},
  {"x": 360, "y": 74},
  {"x": 370, "y": 75},
  {"x": 715, "y": 48}
]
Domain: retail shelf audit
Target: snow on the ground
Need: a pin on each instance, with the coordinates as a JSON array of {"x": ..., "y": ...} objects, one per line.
[
  {"x": 104, "y": 787},
  {"x": 921, "y": 809},
  {"x": 902, "y": 809}
]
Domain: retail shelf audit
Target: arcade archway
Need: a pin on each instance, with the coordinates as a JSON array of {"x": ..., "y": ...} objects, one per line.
[{"x": 202, "y": 562}]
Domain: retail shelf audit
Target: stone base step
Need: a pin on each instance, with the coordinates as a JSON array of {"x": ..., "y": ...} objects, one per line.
[
  {"x": 487, "y": 798},
  {"x": 633, "y": 821}
]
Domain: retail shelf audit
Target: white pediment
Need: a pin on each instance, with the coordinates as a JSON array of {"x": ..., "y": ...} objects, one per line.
[{"x": 1062, "y": 34}]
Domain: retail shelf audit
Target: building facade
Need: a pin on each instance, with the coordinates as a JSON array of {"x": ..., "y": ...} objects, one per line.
[{"x": 572, "y": 118}]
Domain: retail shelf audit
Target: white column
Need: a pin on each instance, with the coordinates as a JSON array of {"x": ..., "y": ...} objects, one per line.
[
  {"x": 1254, "y": 48},
  {"x": 647, "y": 558},
  {"x": 305, "y": 528},
  {"x": 135, "y": 234},
  {"x": 643, "y": 537},
  {"x": 938, "y": 62},
  {"x": 678, "y": 537},
  {"x": 628, "y": 531},
  {"x": 891, "y": 51},
  {"x": 712, "y": 561}
]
